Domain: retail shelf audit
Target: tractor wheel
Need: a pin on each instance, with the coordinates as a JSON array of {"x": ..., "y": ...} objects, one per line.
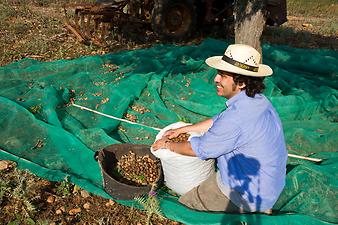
[{"x": 173, "y": 19}]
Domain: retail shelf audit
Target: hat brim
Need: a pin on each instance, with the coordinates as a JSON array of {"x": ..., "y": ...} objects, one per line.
[{"x": 217, "y": 63}]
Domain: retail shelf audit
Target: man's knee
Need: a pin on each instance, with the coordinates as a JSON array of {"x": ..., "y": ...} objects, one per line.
[{"x": 191, "y": 200}]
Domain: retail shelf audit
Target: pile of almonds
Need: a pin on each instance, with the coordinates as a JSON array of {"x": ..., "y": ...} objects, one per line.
[
  {"x": 180, "y": 138},
  {"x": 130, "y": 117},
  {"x": 139, "y": 109},
  {"x": 110, "y": 67},
  {"x": 142, "y": 170}
]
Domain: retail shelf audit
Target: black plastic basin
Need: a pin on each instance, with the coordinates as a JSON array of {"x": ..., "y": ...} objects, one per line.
[{"x": 116, "y": 186}]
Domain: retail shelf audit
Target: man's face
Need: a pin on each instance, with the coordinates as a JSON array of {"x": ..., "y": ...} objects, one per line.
[{"x": 225, "y": 84}]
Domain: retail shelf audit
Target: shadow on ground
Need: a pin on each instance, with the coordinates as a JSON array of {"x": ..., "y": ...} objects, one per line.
[{"x": 272, "y": 35}]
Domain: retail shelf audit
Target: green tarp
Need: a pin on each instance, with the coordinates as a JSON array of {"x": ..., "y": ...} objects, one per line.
[{"x": 159, "y": 86}]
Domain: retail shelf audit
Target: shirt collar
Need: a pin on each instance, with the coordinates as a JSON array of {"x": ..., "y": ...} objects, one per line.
[{"x": 235, "y": 98}]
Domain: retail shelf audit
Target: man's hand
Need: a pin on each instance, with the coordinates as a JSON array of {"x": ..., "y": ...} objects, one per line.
[
  {"x": 183, "y": 148},
  {"x": 172, "y": 133},
  {"x": 161, "y": 143}
]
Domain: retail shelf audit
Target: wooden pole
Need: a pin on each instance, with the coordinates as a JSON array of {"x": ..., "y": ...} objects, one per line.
[
  {"x": 305, "y": 158},
  {"x": 74, "y": 31}
]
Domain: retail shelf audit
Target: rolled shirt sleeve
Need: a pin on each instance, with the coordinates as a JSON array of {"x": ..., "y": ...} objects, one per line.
[{"x": 220, "y": 139}]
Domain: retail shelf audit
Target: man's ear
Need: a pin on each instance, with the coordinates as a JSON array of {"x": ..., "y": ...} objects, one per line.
[{"x": 241, "y": 85}]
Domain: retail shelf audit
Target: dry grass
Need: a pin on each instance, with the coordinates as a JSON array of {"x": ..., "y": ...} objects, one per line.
[
  {"x": 311, "y": 24},
  {"x": 35, "y": 29},
  {"x": 21, "y": 192},
  {"x": 321, "y": 16},
  {"x": 306, "y": 8}
]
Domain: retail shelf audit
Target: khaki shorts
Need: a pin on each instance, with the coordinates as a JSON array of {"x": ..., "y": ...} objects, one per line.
[{"x": 208, "y": 197}]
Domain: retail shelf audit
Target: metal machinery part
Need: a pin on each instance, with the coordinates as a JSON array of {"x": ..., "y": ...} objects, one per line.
[
  {"x": 90, "y": 22},
  {"x": 169, "y": 19}
]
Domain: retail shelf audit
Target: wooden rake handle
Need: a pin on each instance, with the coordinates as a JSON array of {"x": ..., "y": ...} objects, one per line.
[{"x": 305, "y": 158}]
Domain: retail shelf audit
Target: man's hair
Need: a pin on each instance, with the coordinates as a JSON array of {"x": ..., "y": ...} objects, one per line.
[{"x": 254, "y": 85}]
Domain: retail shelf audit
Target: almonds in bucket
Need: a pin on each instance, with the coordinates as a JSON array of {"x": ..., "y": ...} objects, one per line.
[{"x": 141, "y": 170}]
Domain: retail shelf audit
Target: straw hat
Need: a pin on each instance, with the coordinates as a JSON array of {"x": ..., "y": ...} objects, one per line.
[{"x": 240, "y": 59}]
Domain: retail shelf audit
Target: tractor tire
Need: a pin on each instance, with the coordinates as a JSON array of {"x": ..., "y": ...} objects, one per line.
[{"x": 173, "y": 19}]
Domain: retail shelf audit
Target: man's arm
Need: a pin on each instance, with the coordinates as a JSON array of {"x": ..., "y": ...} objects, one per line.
[
  {"x": 197, "y": 127},
  {"x": 183, "y": 148},
  {"x": 201, "y": 126}
]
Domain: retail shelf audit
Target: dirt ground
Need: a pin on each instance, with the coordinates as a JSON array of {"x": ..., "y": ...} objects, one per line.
[
  {"x": 28, "y": 199},
  {"x": 37, "y": 31}
]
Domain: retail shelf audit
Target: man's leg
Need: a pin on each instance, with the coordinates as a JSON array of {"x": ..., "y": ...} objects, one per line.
[{"x": 208, "y": 197}]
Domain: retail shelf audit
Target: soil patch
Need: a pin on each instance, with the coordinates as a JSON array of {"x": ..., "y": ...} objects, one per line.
[{"x": 27, "y": 199}]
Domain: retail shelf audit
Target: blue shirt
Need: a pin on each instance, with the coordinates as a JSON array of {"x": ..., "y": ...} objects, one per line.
[{"x": 248, "y": 142}]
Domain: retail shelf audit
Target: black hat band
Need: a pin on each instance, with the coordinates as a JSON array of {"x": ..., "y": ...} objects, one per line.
[{"x": 239, "y": 64}]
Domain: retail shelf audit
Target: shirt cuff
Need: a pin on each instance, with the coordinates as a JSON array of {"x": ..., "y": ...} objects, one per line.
[
  {"x": 195, "y": 145},
  {"x": 214, "y": 118}
]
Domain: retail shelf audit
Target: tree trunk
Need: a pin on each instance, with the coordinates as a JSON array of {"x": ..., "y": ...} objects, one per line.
[{"x": 249, "y": 22}]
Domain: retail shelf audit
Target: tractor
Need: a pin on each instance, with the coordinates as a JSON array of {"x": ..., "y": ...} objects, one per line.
[{"x": 169, "y": 19}]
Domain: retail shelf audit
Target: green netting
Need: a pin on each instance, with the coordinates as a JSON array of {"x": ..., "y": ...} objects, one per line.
[{"x": 159, "y": 86}]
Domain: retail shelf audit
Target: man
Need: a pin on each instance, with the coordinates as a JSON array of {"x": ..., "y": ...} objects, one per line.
[{"x": 246, "y": 139}]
